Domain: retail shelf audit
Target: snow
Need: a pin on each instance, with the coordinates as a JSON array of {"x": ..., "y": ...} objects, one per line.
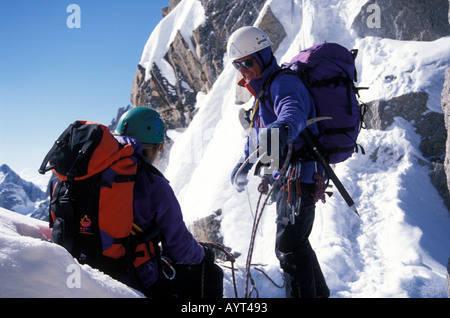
[
  {"x": 392, "y": 68},
  {"x": 400, "y": 245},
  {"x": 184, "y": 18},
  {"x": 31, "y": 266}
]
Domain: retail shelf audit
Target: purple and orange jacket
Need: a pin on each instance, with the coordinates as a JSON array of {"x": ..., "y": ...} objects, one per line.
[{"x": 155, "y": 204}]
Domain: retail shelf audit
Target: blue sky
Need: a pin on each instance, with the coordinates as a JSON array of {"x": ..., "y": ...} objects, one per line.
[{"x": 52, "y": 75}]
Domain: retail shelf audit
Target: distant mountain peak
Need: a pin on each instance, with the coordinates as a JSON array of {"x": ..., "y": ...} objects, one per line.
[{"x": 17, "y": 194}]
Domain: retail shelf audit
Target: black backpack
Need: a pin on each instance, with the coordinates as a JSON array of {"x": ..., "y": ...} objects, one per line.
[{"x": 91, "y": 200}]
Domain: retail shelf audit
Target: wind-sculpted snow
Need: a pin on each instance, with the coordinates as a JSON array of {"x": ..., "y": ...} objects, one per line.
[{"x": 32, "y": 266}]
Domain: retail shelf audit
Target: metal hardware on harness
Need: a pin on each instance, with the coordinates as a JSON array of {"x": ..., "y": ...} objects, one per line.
[
  {"x": 167, "y": 262},
  {"x": 291, "y": 186}
]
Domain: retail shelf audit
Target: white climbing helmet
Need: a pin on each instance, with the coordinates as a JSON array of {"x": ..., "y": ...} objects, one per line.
[{"x": 245, "y": 41}]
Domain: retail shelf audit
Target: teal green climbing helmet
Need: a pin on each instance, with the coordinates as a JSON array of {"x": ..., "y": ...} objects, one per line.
[{"x": 143, "y": 124}]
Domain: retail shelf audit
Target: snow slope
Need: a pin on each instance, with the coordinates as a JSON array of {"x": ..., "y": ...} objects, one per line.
[{"x": 398, "y": 247}]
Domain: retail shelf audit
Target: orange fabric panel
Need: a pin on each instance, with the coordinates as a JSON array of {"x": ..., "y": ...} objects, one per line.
[
  {"x": 116, "y": 207},
  {"x": 142, "y": 259}
]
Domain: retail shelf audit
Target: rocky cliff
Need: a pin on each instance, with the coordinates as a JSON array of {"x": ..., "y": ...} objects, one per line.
[
  {"x": 404, "y": 20},
  {"x": 198, "y": 68}
]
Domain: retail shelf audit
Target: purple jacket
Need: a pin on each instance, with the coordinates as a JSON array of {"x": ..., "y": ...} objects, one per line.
[
  {"x": 155, "y": 203},
  {"x": 291, "y": 104}
]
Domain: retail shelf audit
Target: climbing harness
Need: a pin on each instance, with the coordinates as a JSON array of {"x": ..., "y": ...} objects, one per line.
[{"x": 168, "y": 263}]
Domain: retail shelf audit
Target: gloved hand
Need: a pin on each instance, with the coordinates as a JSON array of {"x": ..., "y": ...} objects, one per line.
[
  {"x": 210, "y": 256},
  {"x": 265, "y": 136},
  {"x": 240, "y": 181}
]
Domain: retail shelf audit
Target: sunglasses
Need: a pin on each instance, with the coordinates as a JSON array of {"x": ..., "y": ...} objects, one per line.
[{"x": 248, "y": 64}]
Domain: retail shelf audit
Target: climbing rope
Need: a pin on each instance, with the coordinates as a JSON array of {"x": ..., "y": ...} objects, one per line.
[
  {"x": 257, "y": 219},
  {"x": 228, "y": 256}
]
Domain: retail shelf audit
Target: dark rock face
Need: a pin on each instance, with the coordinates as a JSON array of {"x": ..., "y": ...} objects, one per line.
[{"x": 403, "y": 20}]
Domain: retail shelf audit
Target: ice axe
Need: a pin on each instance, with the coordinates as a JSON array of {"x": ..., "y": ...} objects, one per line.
[{"x": 320, "y": 157}]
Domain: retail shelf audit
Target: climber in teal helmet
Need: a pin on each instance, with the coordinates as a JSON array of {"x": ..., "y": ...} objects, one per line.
[{"x": 155, "y": 204}]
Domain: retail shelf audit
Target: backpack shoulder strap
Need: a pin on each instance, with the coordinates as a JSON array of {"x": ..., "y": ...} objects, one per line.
[{"x": 266, "y": 96}]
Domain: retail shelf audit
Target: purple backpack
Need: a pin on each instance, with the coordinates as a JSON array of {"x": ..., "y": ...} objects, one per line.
[{"x": 328, "y": 71}]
